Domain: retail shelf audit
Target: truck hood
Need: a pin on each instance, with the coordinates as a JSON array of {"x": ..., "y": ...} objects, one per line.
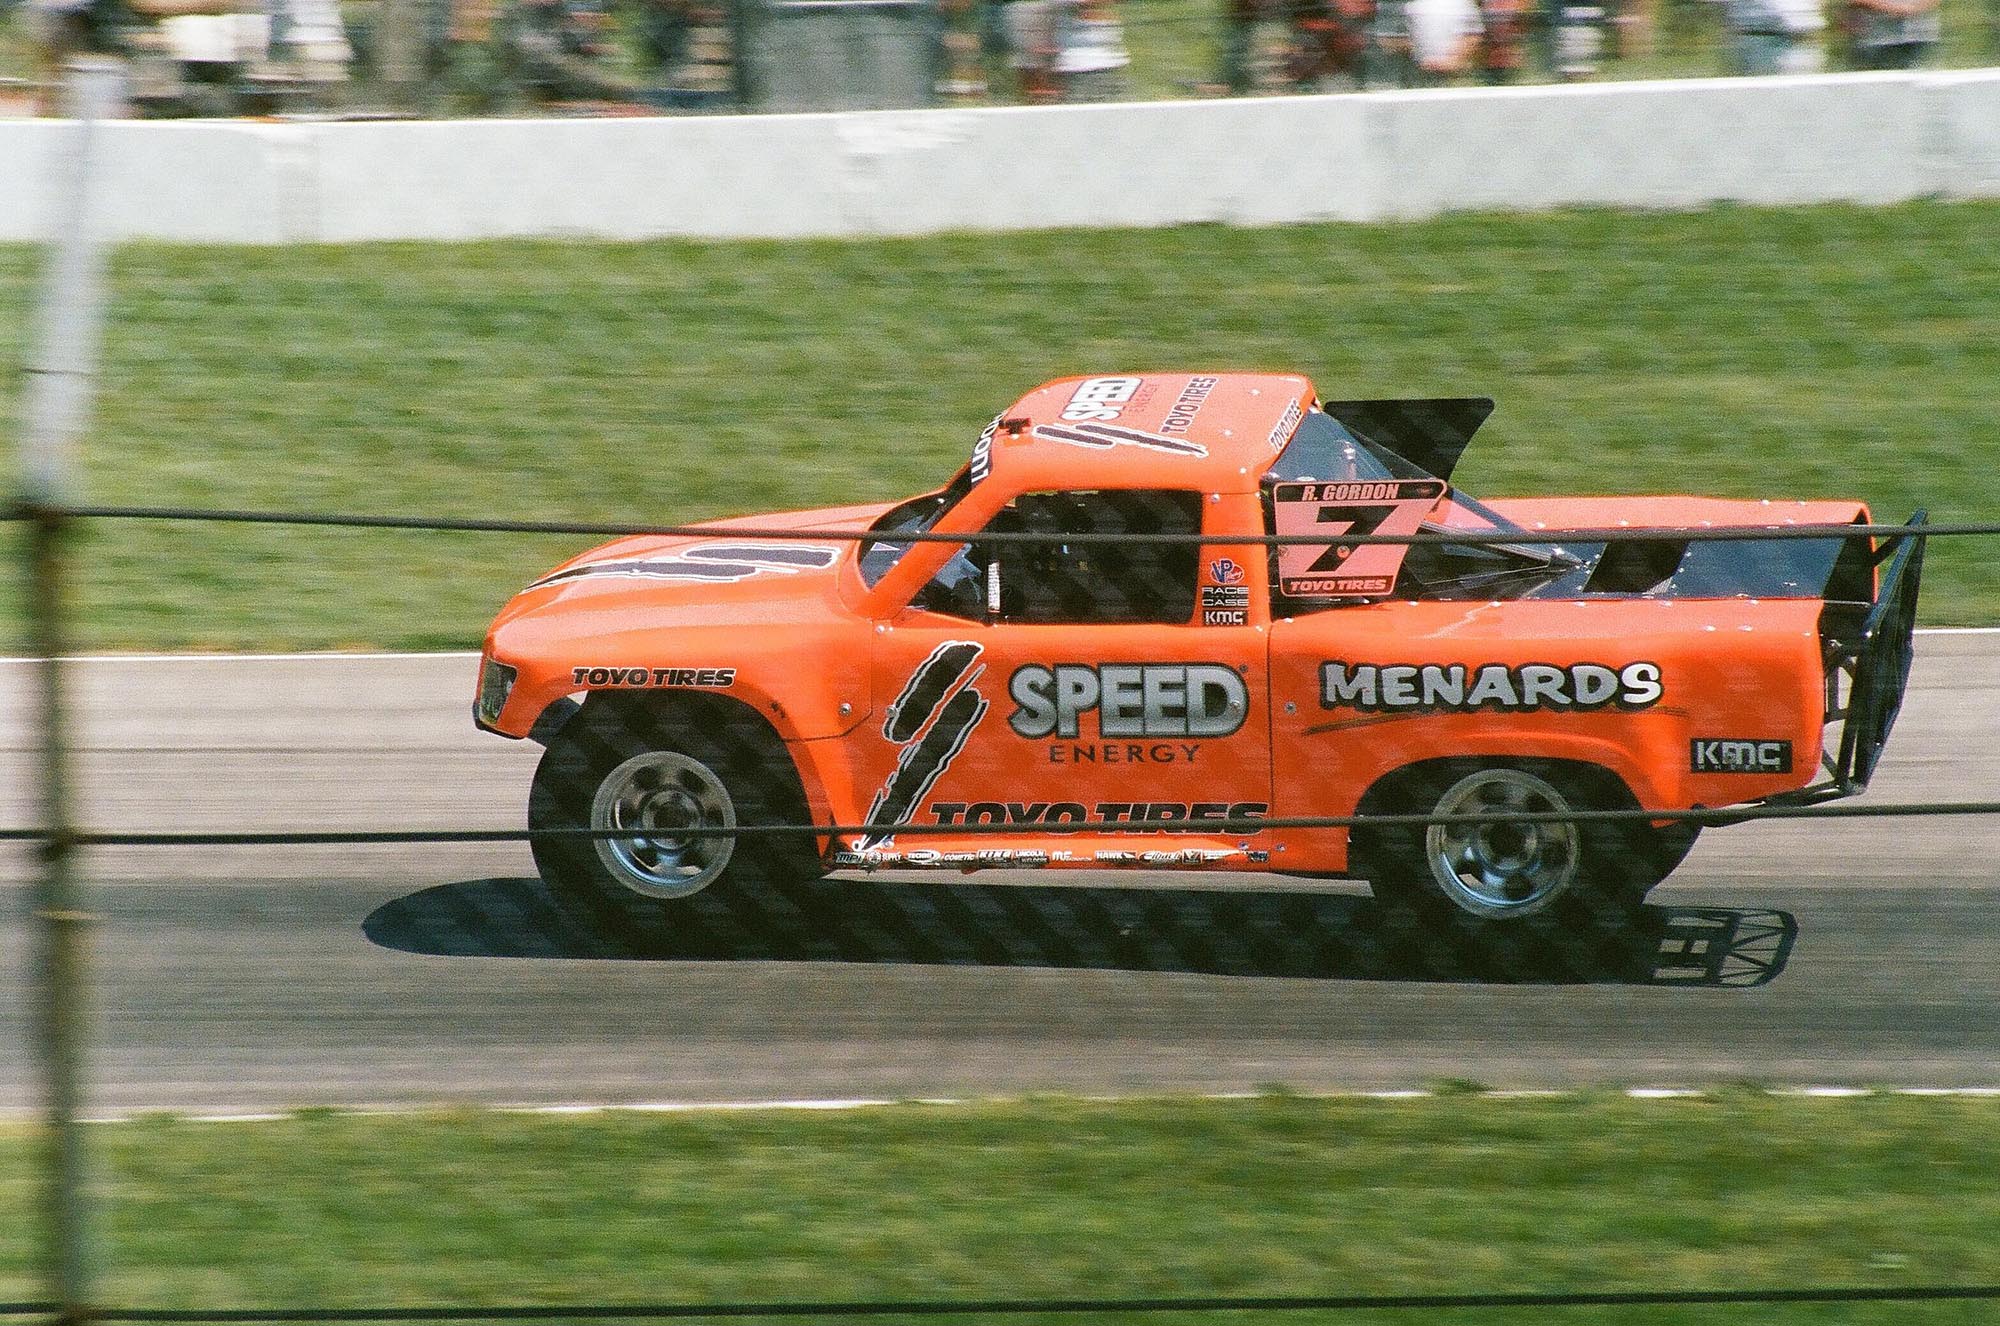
[{"x": 707, "y": 578}]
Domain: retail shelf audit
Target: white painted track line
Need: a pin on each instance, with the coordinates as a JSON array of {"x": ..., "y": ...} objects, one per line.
[{"x": 835, "y": 1105}]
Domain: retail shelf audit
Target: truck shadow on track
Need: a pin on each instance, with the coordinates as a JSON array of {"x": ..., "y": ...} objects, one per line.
[{"x": 1319, "y": 936}]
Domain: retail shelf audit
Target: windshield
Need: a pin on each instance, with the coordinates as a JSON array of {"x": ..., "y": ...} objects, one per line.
[
  {"x": 919, "y": 515},
  {"x": 1323, "y": 449},
  {"x": 1396, "y": 497}
]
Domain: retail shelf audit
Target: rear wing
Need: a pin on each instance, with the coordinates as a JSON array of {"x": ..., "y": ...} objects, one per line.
[{"x": 1431, "y": 434}]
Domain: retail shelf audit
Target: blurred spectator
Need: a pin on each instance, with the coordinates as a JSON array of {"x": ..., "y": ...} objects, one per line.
[
  {"x": 1066, "y": 50},
  {"x": 1329, "y": 43},
  {"x": 558, "y": 51},
  {"x": 60, "y": 30},
  {"x": 961, "y": 40},
  {"x": 1239, "y": 34},
  {"x": 463, "y": 53},
  {"x": 1388, "y": 62},
  {"x": 687, "y": 48},
  {"x": 1503, "y": 50},
  {"x": 1031, "y": 46},
  {"x": 307, "y": 45},
  {"x": 1444, "y": 38},
  {"x": 1091, "y": 58},
  {"x": 1774, "y": 36},
  {"x": 1574, "y": 43},
  {"x": 1237, "y": 70},
  {"x": 1892, "y": 34}
]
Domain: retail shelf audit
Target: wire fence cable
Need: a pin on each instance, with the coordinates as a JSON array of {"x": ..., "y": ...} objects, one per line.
[{"x": 1042, "y": 1306}]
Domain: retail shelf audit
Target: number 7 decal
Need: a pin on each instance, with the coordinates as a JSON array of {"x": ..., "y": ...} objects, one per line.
[{"x": 1338, "y": 570}]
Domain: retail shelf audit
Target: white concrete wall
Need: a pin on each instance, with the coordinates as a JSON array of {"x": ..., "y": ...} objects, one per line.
[
  {"x": 1968, "y": 125},
  {"x": 1864, "y": 138}
]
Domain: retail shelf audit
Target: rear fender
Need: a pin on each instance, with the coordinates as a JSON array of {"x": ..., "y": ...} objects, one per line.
[{"x": 1621, "y": 761}]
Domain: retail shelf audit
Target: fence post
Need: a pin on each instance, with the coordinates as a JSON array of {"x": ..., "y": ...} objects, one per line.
[{"x": 61, "y": 369}]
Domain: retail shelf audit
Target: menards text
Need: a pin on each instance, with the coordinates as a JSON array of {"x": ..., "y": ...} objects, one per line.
[{"x": 1375, "y": 687}]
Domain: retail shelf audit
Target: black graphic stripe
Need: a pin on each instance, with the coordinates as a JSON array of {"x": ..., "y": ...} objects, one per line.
[
  {"x": 1103, "y": 437},
  {"x": 779, "y": 557},
  {"x": 711, "y": 562},
  {"x": 926, "y": 690},
  {"x": 663, "y": 569},
  {"x": 924, "y": 763},
  {"x": 1064, "y": 433},
  {"x": 1179, "y": 446}
]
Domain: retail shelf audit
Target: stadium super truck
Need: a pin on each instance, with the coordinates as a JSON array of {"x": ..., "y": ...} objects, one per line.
[{"x": 1160, "y": 650}]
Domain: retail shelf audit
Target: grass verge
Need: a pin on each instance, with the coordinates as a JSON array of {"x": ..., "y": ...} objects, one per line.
[
  {"x": 1781, "y": 353},
  {"x": 1274, "y": 1195}
]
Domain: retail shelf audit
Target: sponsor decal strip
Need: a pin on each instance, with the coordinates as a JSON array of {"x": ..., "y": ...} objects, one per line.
[
  {"x": 641, "y": 676},
  {"x": 1286, "y": 424},
  {"x": 1195, "y": 814},
  {"x": 1180, "y": 415},
  {"x": 981, "y": 463}
]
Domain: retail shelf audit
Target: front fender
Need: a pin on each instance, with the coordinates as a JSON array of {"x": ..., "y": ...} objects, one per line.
[{"x": 809, "y": 683}]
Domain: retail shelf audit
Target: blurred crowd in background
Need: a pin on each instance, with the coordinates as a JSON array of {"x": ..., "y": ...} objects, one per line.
[{"x": 365, "y": 57}]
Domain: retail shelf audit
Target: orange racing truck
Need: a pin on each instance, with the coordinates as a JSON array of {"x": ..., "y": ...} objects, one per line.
[{"x": 1160, "y": 643}]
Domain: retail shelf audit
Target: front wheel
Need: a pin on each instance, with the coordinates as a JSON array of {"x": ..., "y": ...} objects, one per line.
[
  {"x": 1504, "y": 871},
  {"x": 675, "y": 783}
]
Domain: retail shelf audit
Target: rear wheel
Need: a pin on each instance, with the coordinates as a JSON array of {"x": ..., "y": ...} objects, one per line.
[
  {"x": 673, "y": 776},
  {"x": 1501, "y": 871}
]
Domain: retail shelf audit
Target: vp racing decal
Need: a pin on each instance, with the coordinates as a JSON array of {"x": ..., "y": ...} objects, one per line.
[
  {"x": 932, "y": 722},
  {"x": 723, "y": 562}
]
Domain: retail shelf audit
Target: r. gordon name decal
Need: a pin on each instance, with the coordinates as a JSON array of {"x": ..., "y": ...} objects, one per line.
[{"x": 1379, "y": 688}]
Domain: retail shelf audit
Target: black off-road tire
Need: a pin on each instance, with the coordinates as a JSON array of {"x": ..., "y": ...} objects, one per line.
[
  {"x": 698, "y": 737},
  {"x": 1616, "y": 863}
]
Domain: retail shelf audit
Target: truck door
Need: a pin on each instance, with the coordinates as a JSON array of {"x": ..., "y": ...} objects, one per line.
[{"x": 1101, "y": 684}]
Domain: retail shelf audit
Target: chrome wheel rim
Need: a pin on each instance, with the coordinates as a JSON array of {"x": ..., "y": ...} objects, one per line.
[
  {"x": 661, "y": 794},
  {"x": 1500, "y": 870}
]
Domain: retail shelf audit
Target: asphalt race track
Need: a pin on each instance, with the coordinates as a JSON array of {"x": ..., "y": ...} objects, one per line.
[{"x": 1865, "y": 952}]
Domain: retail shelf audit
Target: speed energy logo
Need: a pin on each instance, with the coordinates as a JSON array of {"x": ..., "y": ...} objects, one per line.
[{"x": 931, "y": 720}]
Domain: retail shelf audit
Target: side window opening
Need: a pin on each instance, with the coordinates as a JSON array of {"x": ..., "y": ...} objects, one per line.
[{"x": 1055, "y": 579}]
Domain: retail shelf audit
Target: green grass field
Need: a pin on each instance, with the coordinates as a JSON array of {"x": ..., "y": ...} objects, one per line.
[
  {"x": 1788, "y": 353},
  {"x": 1276, "y": 1195}
]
